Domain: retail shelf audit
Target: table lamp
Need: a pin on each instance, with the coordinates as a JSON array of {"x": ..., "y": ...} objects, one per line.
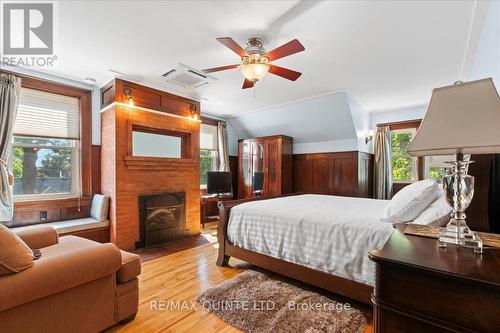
[{"x": 463, "y": 118}]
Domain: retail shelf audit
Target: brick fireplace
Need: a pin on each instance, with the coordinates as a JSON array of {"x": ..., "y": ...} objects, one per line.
[{"x": 125, "y": 178}]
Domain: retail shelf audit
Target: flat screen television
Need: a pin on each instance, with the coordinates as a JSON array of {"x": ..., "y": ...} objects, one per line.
[{"x": 219, "y": 182}]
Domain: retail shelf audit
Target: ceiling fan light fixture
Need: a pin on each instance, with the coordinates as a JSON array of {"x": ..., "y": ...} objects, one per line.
[{"x": 254, "y": 72}]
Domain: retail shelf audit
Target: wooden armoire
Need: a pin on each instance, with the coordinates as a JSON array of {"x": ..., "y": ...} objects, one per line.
[{"x": 265, "y": 166}]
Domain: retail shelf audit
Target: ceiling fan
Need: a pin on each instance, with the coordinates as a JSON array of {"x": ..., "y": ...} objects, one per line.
[{"x": 255, "y": 61}]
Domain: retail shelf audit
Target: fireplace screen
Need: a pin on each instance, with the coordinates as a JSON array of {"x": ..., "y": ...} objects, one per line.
[{"x": 163, "y": 218}]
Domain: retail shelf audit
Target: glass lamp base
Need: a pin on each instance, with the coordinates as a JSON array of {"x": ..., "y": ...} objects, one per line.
[{"x": 457, "y": 232}]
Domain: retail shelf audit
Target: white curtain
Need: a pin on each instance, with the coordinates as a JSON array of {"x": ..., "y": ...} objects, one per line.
[
  {"x": 10, "y": 88},
  {"x": 222, "y": 146},
  {"x": 383, "y": 169}
]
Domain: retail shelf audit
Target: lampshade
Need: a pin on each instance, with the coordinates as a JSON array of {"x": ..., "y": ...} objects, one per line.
[
  {"x": 254, "y": 72},
  {"x": 461, "y": 118}
]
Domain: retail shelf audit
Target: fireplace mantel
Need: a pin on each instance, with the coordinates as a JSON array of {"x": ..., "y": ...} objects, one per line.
[{"x": 159, "y": 164}]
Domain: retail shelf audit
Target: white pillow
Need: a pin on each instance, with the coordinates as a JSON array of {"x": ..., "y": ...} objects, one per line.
[
  {"x": 410, "y": 201},
  {"x": 100, "y": 207},
  {"x": 436, "y": 215}
]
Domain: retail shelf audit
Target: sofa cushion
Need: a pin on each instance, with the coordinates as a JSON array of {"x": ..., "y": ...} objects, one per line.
[
  {"x": 100, "y": 206},
  {"x": 130, "y": 269},
  {"x": 37, "y": 236},
  {"x": 15, "y": 255}
]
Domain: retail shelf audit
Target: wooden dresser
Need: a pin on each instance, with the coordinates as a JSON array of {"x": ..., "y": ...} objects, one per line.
[
  {"x": 267, "y": 157},
  {"x": 420, "y": 287}
]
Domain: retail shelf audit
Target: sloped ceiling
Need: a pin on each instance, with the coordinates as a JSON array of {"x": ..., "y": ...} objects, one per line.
[{"x": 326, "y": 123}]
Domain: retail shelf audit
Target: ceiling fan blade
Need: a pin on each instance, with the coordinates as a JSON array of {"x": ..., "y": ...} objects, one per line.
[
  {"x": 247, "y": 84},
  {"x": 284, "y": 72},
  {"x": 285, "y": 50},
  {"x": 218, "y": 69},
  {"x": 232, "y": 45}
]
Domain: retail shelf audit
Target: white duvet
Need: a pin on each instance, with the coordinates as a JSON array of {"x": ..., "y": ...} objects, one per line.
[{"x": 328, "y": 233}]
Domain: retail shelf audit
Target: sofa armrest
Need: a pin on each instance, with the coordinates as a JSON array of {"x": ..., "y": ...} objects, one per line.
[
  {"x": 38, "y": 237},
  {"x": 53, "y": 274}
]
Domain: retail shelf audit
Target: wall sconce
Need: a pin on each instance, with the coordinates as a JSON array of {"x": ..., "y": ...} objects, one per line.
[
  {"x": 369, "y": 136},
  {"x": 128, "y": 96},
  {"x": 194, "y": 114}
]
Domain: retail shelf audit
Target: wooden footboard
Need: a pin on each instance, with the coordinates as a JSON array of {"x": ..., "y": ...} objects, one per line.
[{"x": 342, "y": 286}]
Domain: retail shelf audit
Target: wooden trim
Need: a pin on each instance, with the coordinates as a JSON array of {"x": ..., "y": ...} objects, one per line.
[
  {"x": 119, "y": 90},
  {"x": 268, "y": 137},
  {"x": 140, "y": 127},
  {"x": 395, "y": 125},
  {"x": 159, "y": 163},
  {"x": 342, "y": 286},
  {"x": 100, "y": 235},
  {"x": 210, "y": 121},
  {"x": 36, "y": 83}
]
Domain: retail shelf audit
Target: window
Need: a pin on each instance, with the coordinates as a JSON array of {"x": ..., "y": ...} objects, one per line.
[
  {"x": 156, "y": 145},
  {"x": 436, "y": 166},
  {"x": 404, "y": 166},
  {"x": 45, "y": 146},
  {"x": 208, "y": 151}
]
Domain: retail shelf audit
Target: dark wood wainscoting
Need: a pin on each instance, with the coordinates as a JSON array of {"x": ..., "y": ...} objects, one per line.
[
  {"x": 477, "y": 213},
  {"x": 342, "y": 173},
  {"x": 28, "y": 213}
]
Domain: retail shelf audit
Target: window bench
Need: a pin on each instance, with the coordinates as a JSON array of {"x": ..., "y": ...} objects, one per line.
[
  {"x": 94, "y": 227},
  {"x": 85, "y": 227}
]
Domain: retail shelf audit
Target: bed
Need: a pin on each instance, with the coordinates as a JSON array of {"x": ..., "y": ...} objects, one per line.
[{"x": 322, "y": 240}]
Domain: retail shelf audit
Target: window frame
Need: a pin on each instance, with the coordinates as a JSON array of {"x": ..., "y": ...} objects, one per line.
[
  {"x": 420, "y": 162},
  {"x": 85, "y": 143},
  {"x": 215, "y": 123},
  {"x": 415, "y": 168},
  {"x": 75, "y": 165}
]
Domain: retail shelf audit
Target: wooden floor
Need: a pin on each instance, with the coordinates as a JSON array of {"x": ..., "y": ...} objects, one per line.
[{"x": 181, "y": 276}]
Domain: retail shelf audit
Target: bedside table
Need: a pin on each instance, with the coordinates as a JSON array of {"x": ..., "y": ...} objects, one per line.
[
  {"x": 209, "y": 211},
  {"x": 420, "y": 287}
]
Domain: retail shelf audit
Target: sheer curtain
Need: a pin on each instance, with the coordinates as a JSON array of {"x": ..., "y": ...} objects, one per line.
[
  {"x": 383, "y": 170},
  {"x": 10, "y": 88},
  {"x": 222, "y": 146}
]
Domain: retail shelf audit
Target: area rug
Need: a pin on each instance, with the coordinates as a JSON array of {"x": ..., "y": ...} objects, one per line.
[{"x": 257, "y": 301}]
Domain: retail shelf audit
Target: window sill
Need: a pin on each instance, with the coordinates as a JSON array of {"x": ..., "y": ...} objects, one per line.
[
  {"x": 45, "y": 197},
  {"x": 403, "y": 182}
]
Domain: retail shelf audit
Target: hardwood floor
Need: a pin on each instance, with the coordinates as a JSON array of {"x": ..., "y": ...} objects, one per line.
[{"x": 181, "y": 276}]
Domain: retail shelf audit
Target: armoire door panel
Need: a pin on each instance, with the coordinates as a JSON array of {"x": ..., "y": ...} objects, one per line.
[{"x": 273, "y": 168}]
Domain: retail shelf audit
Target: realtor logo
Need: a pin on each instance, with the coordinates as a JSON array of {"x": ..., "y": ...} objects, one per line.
[{"x": 28, "y": 28}]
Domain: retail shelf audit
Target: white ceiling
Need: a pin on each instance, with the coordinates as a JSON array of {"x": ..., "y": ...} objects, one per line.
[{"x": 385, "y": 54}]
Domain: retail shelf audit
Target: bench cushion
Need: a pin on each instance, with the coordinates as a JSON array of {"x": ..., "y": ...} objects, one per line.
[{"x": 64, "y": 227}]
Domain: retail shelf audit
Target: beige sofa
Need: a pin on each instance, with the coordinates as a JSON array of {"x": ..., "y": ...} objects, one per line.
[{"x": 77, "y": 285}]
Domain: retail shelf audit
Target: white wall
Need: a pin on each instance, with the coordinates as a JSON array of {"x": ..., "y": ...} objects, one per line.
[
  {"x": 320, "y": 124},
  {"x": 487, "y": 60}
]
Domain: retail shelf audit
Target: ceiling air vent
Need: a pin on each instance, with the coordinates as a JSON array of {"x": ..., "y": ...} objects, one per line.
[{"x": 186, "y": 76}]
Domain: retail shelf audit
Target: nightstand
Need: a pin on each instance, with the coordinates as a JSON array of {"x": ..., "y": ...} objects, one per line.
[
  {"x": 420, "y": 287},
  {"x": 209, "y": 211}
]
